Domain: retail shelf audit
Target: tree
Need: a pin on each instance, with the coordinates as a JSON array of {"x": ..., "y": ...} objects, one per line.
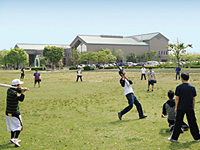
[
  {"x": 75, "y": 56},
  {"x": 143, "y": 57},
  {"x": 111, "y": 58},
  {"x": 171, "y": 57},
  {"x": 157, "y": 58},
  {"x": 3, "y": 58},
  {"x": 132, "y": 58},
  {"x": 91, "y": 56},
  {"x": 54, "y": 54},
  {"x": 101, "y": 57},
  {"x": 151, "y": 54},
  {"x": 118, "y": 54},
  {"x": 178, "y": 49},
  {"x": 17, "y": 56}
]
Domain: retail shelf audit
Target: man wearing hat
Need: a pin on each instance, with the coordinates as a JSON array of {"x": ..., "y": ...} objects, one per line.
[{"x": 13, "y": 117}]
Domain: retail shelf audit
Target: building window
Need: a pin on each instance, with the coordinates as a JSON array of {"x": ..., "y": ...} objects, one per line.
[
  {"x": 158, "y": 52},
  {"x": 164, "y": 52},
  {"x": 64, "y": 61},
  {"x": 161, "y": 52}
]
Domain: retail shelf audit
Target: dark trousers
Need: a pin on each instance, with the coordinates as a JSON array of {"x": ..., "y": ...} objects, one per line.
[
  {"x": 78, "y": 78},
  {"x": 22, "y": 76},
  {"x": 194, "y": 130},
  {"x": 142, "y": 76},
  {"x": 132, "y": 99},
  {"x": 178, "y": 74}
]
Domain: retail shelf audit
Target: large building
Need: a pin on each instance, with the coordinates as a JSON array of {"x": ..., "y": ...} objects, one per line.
[
  {"x": 138, "y": 43},
  {"x": 37, "y": 49}
]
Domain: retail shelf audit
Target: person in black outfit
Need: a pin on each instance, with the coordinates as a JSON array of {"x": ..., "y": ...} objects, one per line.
[
  {"x": 185, "y": 104},
  {"x": 22, "y": 73},
  {"x": 169, "y": 111}
]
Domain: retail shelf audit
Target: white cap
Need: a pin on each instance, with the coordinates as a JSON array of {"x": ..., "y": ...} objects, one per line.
[{"x": 16, "y": 82}]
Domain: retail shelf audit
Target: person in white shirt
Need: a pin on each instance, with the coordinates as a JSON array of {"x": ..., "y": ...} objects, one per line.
[
  {"x": 132, "y": 99},
  {"x": 79, "y": 75},
  {"x": 151, "y": 78},
  {"x": 143, "y": 70}
]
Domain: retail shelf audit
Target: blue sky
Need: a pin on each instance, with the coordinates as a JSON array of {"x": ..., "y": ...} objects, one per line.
[{"x": 60, "y": 21}]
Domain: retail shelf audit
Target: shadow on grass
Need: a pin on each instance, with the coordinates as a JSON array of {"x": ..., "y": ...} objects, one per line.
[
  {"x": 121, "y": 121},
  {"x": 177, "y": 145},
  {"x": 7, "y": 146},
  {"x": 165, "y": 132}
]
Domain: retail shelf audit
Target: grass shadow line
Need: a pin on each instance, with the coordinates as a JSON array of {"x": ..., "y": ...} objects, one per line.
[
  {"x": 177, "y": 145},
  {"x": 7, "y": 146},
  {"x": 121, "y": 121},
  {"x": 165, "y": 132}
]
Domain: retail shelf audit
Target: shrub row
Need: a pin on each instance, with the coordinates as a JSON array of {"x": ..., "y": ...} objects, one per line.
[
  {"x": 89, "y": 68},
  {"x": 38, "y": 68},
  {"x": 73, "y": 68},
  {"x": 27, "y": 68}
]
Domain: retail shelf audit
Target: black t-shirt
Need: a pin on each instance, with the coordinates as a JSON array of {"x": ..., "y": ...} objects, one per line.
[{"x": 186, "y": 92}]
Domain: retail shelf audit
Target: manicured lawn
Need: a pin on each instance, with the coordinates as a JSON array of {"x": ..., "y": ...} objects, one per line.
[{"x": 63, "y": 114}]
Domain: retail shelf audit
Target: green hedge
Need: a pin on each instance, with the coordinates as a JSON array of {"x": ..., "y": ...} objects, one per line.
[
  {"x": 89, "y": 68},
  {"x": 169, "y": 67},
  {"x": 27, "y": 68},
  {"x": 100, "y": 67},
  {"x": 73, "y": 68},
  {"x": 38, "y": 68},
  {"x": 111, "y": 67},
  {"x": 196, "y": 66}
]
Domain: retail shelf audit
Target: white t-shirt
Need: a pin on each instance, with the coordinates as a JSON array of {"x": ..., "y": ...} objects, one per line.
[
  {"x": 127, "y": 88},
  {"x": 143, "y": 70},
  {"x": 79, "y": 73}
]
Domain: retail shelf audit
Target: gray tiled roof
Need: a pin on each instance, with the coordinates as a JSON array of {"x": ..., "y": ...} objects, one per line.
[
  {"x": 38, "y": 46},
  {"x": 109, "y": 40},
  {"x": 144, "y": 37}
]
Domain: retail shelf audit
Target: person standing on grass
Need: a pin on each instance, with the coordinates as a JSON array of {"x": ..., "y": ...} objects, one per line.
[
  {"x": 79, "y": 74},
  {"x": 22, "y": 73},
  {"x": 13, "y": 117},
  {"x": 178, "y": 69},
  {"x": 143, "y": 70},
  {"x": 132, "y": 99},
  {"x": 151, "y": 78},
  {"x": 169, "y": 111},
  {"x": 36, "y": 77},
  {"x": 185, "y": 104}
]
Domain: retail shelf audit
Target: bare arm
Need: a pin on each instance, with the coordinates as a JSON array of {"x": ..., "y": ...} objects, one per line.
[
  {"x": 176, "y": 105},
  {"x": 193, "y": 102}
]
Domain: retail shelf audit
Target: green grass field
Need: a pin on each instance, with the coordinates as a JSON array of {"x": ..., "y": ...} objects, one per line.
[{"x": 63, "y": 114}]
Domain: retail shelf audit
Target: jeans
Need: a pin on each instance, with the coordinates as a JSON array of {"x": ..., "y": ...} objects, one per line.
[
  {"x": 132, "y": 99},
  {"x": 194, "y": 130},
  {"x": 178, "y": 74}
]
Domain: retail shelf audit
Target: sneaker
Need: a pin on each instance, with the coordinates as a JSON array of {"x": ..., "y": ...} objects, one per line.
[
  {"x": 148, "y": 90},
  {"x": 120, "y": 115},
  {"x": 172, "y": 140},
  {"x": 151, "y": 90},
  {"x": 185, "y": 128},
  {"x": 15, "y": 142},
  {"x": 197, "y": 140},
  {"x": 12, "y": 142},
  {"x": 144, "y": 116}
]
